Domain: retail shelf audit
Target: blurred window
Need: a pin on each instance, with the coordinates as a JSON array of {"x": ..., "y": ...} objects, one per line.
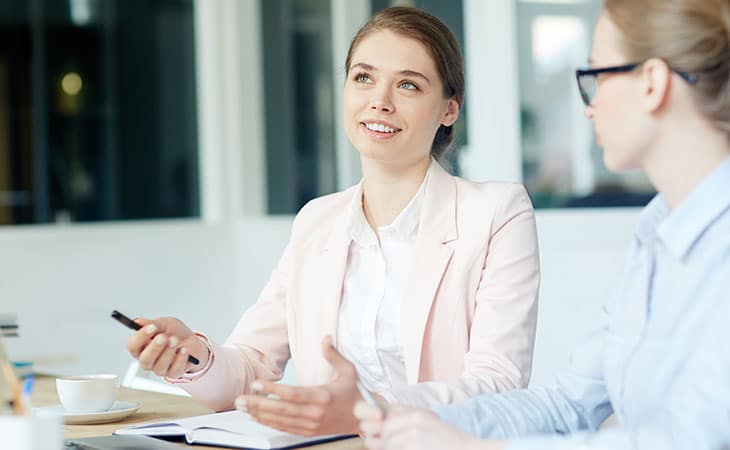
[
  {"x": 562, "y": 165},
  {"x": 97, "y": 110},
  {"x": 299, "y": 106}
]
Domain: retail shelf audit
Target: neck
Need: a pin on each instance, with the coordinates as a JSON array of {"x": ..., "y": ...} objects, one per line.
[
  {"x": 682, "y": 159},
  {"x": 387, "y": 189}
]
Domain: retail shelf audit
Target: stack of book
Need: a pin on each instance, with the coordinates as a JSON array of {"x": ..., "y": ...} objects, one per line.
[{"x": 8, "y": 325}]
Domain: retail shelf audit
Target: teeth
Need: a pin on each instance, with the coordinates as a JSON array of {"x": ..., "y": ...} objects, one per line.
[{"x": 379, "y": 127}]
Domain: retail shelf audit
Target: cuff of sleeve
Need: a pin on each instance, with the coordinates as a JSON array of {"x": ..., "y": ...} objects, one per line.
[
  {"x": 460, "y": 417},
  {"x": 192, "y": 376}
]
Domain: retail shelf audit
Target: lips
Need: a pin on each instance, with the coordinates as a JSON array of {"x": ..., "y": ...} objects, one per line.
[{"x": 379, "y": 129}]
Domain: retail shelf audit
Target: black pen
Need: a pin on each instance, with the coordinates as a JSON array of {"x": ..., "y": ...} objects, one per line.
[{"x": 129, "y": 323}]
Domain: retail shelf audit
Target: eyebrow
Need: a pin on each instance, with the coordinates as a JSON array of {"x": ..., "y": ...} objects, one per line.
[{"x": 404, "y": 72}]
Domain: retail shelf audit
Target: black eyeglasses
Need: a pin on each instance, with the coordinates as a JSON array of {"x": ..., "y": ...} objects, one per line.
[{"x": 588, "y": 79}]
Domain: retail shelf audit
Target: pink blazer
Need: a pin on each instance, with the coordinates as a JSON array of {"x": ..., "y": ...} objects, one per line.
[{"x": 468, "y": 311}]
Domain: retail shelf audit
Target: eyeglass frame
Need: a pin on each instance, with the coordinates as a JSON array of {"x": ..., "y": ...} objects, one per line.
[{"x": 686, "y": 76}]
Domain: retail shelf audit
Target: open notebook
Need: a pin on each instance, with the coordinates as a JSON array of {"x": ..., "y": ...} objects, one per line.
[{"x": 231, "y": 429}]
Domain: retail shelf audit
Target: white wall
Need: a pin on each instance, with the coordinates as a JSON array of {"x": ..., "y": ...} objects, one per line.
[
  {"x": 64, "y": 281},
  {"x": 582, "y": 254}
]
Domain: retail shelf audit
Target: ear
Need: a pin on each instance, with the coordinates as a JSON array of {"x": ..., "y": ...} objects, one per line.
[
  {"x": 451, "y": 114},
  {"x": 656, "y": 82}
]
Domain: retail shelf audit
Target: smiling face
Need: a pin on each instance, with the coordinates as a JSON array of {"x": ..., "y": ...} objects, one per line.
[
  {"x": 393, "y": 100},
  {"x": 622, "y": 123}
]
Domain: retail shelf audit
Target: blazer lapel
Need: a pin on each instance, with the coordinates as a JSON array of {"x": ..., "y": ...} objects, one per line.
[
  {"x": 430, "y": 259},
  {"x": 331, "y": 266}
]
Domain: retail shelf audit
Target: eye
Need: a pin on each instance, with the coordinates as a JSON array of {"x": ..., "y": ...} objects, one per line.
[
  {"x": 363, "y": 78},
  {"x": 408, "y": 85}
]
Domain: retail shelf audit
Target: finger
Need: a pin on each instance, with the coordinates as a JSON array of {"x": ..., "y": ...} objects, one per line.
[
  {"x": 366, "y": 411},
  {"x": 168, "y": 355},
  {"x": 256, "y": 405},
  {"x": 152, "y": 352},
  {"x": 371, "y": 428},
  {"x": 180, "y": 364},
  {"x": 374, "y": 443},
  {"x": 296, "y": 394},
  {"x": 336, "y": 360},
  {"x": 296, "y": 425},
  {"x": 197, "y": 348},
  {"x": 138, "y": 341},
  {"x": 135, "y": 344},
  {"x": 142, "y": 321},
  {"x": 167, "y": 325}
]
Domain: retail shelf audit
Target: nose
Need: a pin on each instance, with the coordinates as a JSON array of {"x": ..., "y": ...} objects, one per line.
[{"x": 381, "y": 101}]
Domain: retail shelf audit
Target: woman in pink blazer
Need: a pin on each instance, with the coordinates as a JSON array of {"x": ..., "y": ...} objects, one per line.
[{"x": 426, "y": 283}]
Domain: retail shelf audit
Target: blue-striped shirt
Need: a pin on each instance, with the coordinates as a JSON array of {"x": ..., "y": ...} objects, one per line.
[{"x": 661, "y": 358}]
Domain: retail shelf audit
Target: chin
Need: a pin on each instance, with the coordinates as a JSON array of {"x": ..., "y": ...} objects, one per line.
[
  {"x": 616, "y": 164},
  {"x": 389, "y": 156},
  {"x": 381, "y": 155},
  {"x": 611, "y": 164}
]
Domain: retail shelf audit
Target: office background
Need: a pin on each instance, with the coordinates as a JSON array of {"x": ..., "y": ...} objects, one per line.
[{"x": 153, "y": 153}]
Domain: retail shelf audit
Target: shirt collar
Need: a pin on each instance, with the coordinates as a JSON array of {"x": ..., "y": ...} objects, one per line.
[
  {"x": 404, "y": 226},
  {"x": 684, "y": 226},
  {"x": 651, "y": 217}
]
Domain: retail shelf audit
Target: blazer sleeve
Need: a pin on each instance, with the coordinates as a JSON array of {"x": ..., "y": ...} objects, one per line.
[
  {"x": 502, "y": 335},
  {"x": 258, "y": 347}
]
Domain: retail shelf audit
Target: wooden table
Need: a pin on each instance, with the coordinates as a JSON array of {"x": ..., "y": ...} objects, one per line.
[{"x": 154, "y": 407}]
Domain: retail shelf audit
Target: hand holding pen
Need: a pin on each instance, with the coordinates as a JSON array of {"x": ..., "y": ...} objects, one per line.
[{"x": 165, "y": 345}]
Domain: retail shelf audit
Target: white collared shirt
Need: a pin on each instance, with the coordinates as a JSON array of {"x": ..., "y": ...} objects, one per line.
[{"x": 375, "y": 276}]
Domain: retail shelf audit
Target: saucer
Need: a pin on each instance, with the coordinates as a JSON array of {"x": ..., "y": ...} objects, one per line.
[{"x": 118, "y": 411}]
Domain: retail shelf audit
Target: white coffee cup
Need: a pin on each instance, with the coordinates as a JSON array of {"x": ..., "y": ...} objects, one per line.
[{"x": 87, "y": 393}]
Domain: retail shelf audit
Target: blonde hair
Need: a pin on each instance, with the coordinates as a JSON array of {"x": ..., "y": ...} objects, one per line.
[
  {"x": 690, "y": 35},
  {"x": 440, "y": 42}
]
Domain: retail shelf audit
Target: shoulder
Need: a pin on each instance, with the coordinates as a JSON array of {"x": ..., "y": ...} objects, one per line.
[
  {"x": 499, "y": 190},
  {"x": 322, "y": 212},
  {"x": 492, "y": 197}
]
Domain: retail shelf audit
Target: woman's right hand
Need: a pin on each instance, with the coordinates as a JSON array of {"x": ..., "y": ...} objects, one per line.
[
  {"x": 371, "y": 425},
  {"x": 162, "y": 345},
  {"x": 414, "y": 429}
]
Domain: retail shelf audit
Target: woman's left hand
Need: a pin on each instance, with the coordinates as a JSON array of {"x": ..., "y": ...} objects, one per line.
[{"x": 309, "y": 411}]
